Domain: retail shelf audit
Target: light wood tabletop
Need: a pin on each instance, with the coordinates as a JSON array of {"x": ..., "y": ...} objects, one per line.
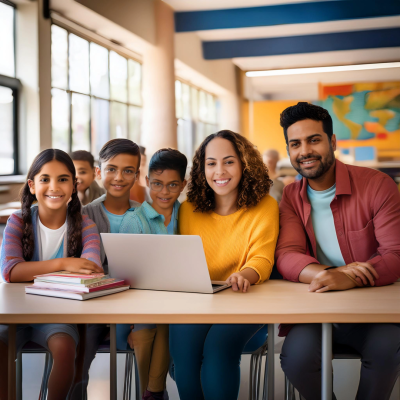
[{"x": 275, "y": 301}]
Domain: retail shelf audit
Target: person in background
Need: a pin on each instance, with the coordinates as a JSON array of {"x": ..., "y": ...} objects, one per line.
[
  {"x": 119, "y": 164},
  {"x": 229, "y": 207},
  {"x": 88, "y": 189},
  {"x": 339, "y": 229},
  {"x": 166, "y": 181},
  {"x": 139, "y": 190},
  {"x": 271, "y": 158},
  {"x": 48, "y": 234}
]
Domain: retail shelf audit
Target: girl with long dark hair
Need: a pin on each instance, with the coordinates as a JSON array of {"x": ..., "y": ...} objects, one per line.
[{"x": 47, "y": 235}]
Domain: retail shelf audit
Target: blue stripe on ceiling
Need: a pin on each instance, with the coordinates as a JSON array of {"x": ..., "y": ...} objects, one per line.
[
  {"x": 376, "y": 38},
  {"x": 297, "y": 13}
]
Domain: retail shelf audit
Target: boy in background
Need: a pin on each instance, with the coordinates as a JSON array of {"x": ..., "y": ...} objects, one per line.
[
  {"x": 88, "y": 189},
  {"x": 166, "y": 181},
  {"x": 119, "y": 164}
]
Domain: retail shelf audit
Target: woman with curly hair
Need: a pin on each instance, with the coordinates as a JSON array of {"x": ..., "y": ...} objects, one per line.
[
  {"x": 229, "y": 207},
  {"x": 47, "y": 235}
]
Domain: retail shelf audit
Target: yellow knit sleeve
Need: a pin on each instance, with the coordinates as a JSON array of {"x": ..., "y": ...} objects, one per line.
[
  {"x": 185, "y": 216},
  {"x": 263, "y": 238}
]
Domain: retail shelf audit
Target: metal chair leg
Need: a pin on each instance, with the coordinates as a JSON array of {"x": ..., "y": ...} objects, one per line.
[
  {"x": 265, "y": 388},
  {"x": 251, "y": 378},
  {"x": 130, "y": 374},
  {"x": 293, "y": 391},
  {"x": 290, "y": 392},
  {"x": 137, "y": 381},
  {"x": 258, "y": 375},
  {"x": 286, "y": 388},
  {"x": 19, "y": 376},
  {"x": 126, "y": 377},
  {"x": 46, "y": 374}
]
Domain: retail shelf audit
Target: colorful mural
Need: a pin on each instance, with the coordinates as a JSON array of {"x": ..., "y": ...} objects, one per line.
[{"x": 365, "y": 115}]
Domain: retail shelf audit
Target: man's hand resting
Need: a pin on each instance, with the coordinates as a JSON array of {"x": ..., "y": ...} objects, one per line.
[
  {"x": 332, "y": 280},
  {"x": 362, "y": 272}
]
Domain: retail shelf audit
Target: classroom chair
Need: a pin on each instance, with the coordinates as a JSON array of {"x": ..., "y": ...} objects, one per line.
[
  {"x": 257, "y": 347},
  {"x": 340, "y": 352},
  {"x": 130, "y": 362},
  {"x": 33, "y": 348}
]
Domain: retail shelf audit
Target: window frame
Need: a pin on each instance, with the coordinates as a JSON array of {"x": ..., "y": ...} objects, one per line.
[
  {"x": 91, "y": 96},
  {"x": 195, "y": 121},
  {"x": 15, "y": 85}
]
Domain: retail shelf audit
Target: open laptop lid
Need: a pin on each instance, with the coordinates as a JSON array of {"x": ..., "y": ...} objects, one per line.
[{"x": 158, "y": 262}]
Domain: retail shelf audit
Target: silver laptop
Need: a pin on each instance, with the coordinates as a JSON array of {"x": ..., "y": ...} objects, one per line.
[{"x": 175, "y": 263}]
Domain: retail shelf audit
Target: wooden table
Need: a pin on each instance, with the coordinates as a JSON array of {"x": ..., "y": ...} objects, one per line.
[{"x": 272, "y": 302}]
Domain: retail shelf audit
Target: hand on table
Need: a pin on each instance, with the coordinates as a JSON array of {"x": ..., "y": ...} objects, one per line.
[
  {"x": 80, "y": 265},
  {"x": 238, "y": 282},
  {"x": 332, "y": 280},
  {"x": 363, "y": 272}
]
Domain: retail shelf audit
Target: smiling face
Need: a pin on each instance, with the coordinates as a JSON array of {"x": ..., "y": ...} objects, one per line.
[
  {"x": 223, "y": 168},
  {"x": 118, "y": 174},
  {"x": 310, "y": 150},
  {"x": 53, "y": 186},
  {"x": 85, "y": 174},
  {"x": 166, "y": 180}
]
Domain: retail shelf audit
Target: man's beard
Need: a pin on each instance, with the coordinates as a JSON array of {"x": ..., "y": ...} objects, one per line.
[{"x": 324, "y": 165}]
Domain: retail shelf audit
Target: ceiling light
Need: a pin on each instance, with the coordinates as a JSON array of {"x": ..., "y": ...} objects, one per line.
[{"x": 315, "y": 70}]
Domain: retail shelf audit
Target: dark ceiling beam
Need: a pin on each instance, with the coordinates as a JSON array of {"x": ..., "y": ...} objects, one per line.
[
  {"x": 281, "y": 14},
  {"x": 353, "y": 40}
]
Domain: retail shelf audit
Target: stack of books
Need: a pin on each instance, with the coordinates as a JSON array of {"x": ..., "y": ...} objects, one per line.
[{"x": 75, "y": 286}]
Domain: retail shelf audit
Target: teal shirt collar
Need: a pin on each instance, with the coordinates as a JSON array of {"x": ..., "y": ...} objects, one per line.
[{"x": 151, "y": 213}]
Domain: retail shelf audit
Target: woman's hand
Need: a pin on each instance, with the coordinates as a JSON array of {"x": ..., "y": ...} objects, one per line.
[
  {"x": 80, "y": 265},
  {"x": 239, "y": 282}
]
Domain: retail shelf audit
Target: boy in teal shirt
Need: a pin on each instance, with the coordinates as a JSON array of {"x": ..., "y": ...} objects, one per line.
[{"x": 166, "y": 181}]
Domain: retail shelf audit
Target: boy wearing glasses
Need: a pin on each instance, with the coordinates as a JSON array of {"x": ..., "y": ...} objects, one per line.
[
  {"x": 119, "y": 162},
  {"x": 166, "y": 181}
]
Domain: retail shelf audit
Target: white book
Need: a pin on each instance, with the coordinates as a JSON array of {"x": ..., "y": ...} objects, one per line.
[{"x": 68, "y": 294}]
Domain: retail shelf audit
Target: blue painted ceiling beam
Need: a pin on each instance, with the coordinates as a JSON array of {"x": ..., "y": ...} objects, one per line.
[
  {"x": 296, "y": 13},
  {"x": 353, "y": 40}
]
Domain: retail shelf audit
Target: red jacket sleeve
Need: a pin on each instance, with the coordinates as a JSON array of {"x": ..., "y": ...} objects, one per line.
[
  {"x": 386, "y": 207},
  {"x": 292, "y": 253}
]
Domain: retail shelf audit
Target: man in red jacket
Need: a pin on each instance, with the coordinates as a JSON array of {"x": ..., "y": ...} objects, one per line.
[{"x": 339, "y": 229}]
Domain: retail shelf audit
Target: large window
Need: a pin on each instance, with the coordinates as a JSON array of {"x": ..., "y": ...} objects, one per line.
[
  {"x": 96, "y": 94},
  {"x": 196, "y": 111},
  {"x": 8, "y": 91}
]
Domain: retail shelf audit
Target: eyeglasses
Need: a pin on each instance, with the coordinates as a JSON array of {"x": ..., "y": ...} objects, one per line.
[
  {"x": 171, "y": 187},
  {"x": 127, "y": 174}
]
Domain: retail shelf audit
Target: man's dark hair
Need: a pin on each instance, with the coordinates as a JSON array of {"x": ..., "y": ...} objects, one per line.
[
  {"x": 169, "y": 159},
  {"x": 142, "y": 150},
  {"x": 83, "y": 155},
  {"x": 114, "y": 147},
  {"x": 302, "y": 111}
]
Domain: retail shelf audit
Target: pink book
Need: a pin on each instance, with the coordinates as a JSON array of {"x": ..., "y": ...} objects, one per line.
[{"x": 94, "y": 287}]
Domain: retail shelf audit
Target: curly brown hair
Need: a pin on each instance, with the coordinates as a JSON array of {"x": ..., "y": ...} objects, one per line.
[{"x": 253, "y": 185}]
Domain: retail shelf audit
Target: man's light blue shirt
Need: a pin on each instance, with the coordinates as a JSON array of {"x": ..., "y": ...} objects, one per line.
[
  {"x": 145, "y": 219},
  {"x": 328, "y": 250},
  {"x": 115, "y": 220}
]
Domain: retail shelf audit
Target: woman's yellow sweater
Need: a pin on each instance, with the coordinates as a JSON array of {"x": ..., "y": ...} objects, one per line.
[{"x": 244, "y": 239}]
